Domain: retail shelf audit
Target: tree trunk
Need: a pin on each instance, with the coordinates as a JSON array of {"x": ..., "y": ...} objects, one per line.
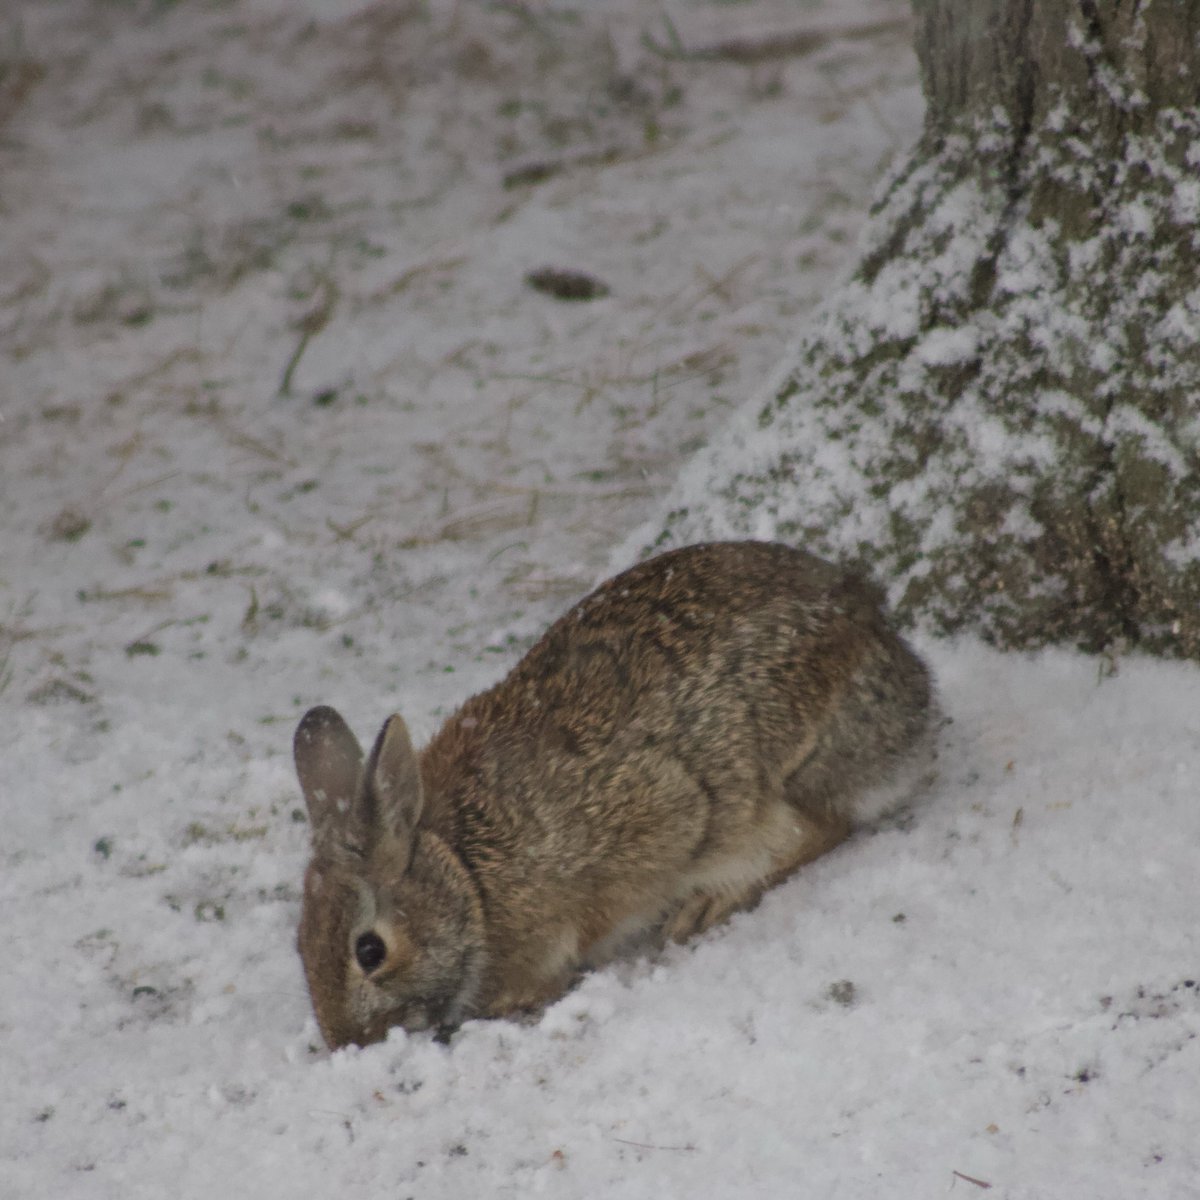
[{"x": 1000, "y": 414}]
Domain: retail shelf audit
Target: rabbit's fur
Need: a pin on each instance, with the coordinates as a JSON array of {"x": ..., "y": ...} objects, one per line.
[{"x": 685, "y": 737}]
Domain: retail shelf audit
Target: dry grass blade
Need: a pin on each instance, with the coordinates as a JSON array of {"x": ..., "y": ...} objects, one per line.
[
  {"x": 775, "y": 46},
  {"x": 182, "y": 354},
  {"x": 538, "y": 171},
  {"x": 247, "y": 441},
  {"x": 406, "y": 279},
  {"x": 630, "y": 491},
  {"x": 548, "y": 587},
  {"x": 648, "y": 1146},
  {"x": 979, "y": 1183},
  {"x": 470, "y": 526},
  {"x": 308, "y": 326},
  {"x": 151, "y": 593},
  {"x": 345, "y": 533},
  {"x": 211, "y": 411}
]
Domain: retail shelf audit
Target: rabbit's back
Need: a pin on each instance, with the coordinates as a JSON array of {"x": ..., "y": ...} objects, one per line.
[{"x": 671, "y": 710}]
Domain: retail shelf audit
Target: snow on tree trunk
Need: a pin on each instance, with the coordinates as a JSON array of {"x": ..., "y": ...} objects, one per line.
[{"x": 999, "y": 415}]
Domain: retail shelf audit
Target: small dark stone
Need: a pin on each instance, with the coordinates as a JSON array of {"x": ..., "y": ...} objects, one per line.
[
  {"x": 531, "y": 173},
  {"x": 69, "y": 526},
  {"x": 842, "y": 992},
  {"x": 566, "y": 284}
]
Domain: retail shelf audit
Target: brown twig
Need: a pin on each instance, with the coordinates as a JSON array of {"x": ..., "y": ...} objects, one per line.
[
  {"x": 308, "y": 326},
  {"x": 979, "y": 1183},
  {"x": 648, "y": 1146}
]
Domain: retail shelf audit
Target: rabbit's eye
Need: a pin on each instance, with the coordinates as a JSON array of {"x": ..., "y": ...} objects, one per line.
[{"x": 370, "y": 951}]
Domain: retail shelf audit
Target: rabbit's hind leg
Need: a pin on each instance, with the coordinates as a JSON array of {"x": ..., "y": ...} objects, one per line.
[
  {"x": 809, "y": 836},
  {"x": 703, "y": 910}
]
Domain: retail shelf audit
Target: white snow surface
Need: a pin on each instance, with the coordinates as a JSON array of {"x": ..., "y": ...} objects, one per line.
[{"x": 996, "y": 990}]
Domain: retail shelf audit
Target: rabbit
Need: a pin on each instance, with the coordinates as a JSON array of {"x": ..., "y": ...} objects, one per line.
[{"x": 682, "y": 739}]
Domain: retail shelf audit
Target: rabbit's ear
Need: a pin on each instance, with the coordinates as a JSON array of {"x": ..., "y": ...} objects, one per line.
[
  {"x": 393, "y": 782},
  {"x": 329, "y": 764}
]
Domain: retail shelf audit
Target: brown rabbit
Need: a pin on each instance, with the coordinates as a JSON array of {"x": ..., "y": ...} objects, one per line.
[{"x": 686, "y": 736}]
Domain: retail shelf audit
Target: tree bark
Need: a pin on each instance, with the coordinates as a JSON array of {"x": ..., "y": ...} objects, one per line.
[{"x": 1000, "y": 413}]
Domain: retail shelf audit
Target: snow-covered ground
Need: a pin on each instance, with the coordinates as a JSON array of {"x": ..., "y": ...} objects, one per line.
[{"x": 282, "y": 422}]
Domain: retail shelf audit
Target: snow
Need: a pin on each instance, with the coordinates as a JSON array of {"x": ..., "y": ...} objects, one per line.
[{"x": 998, "y": 986}]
